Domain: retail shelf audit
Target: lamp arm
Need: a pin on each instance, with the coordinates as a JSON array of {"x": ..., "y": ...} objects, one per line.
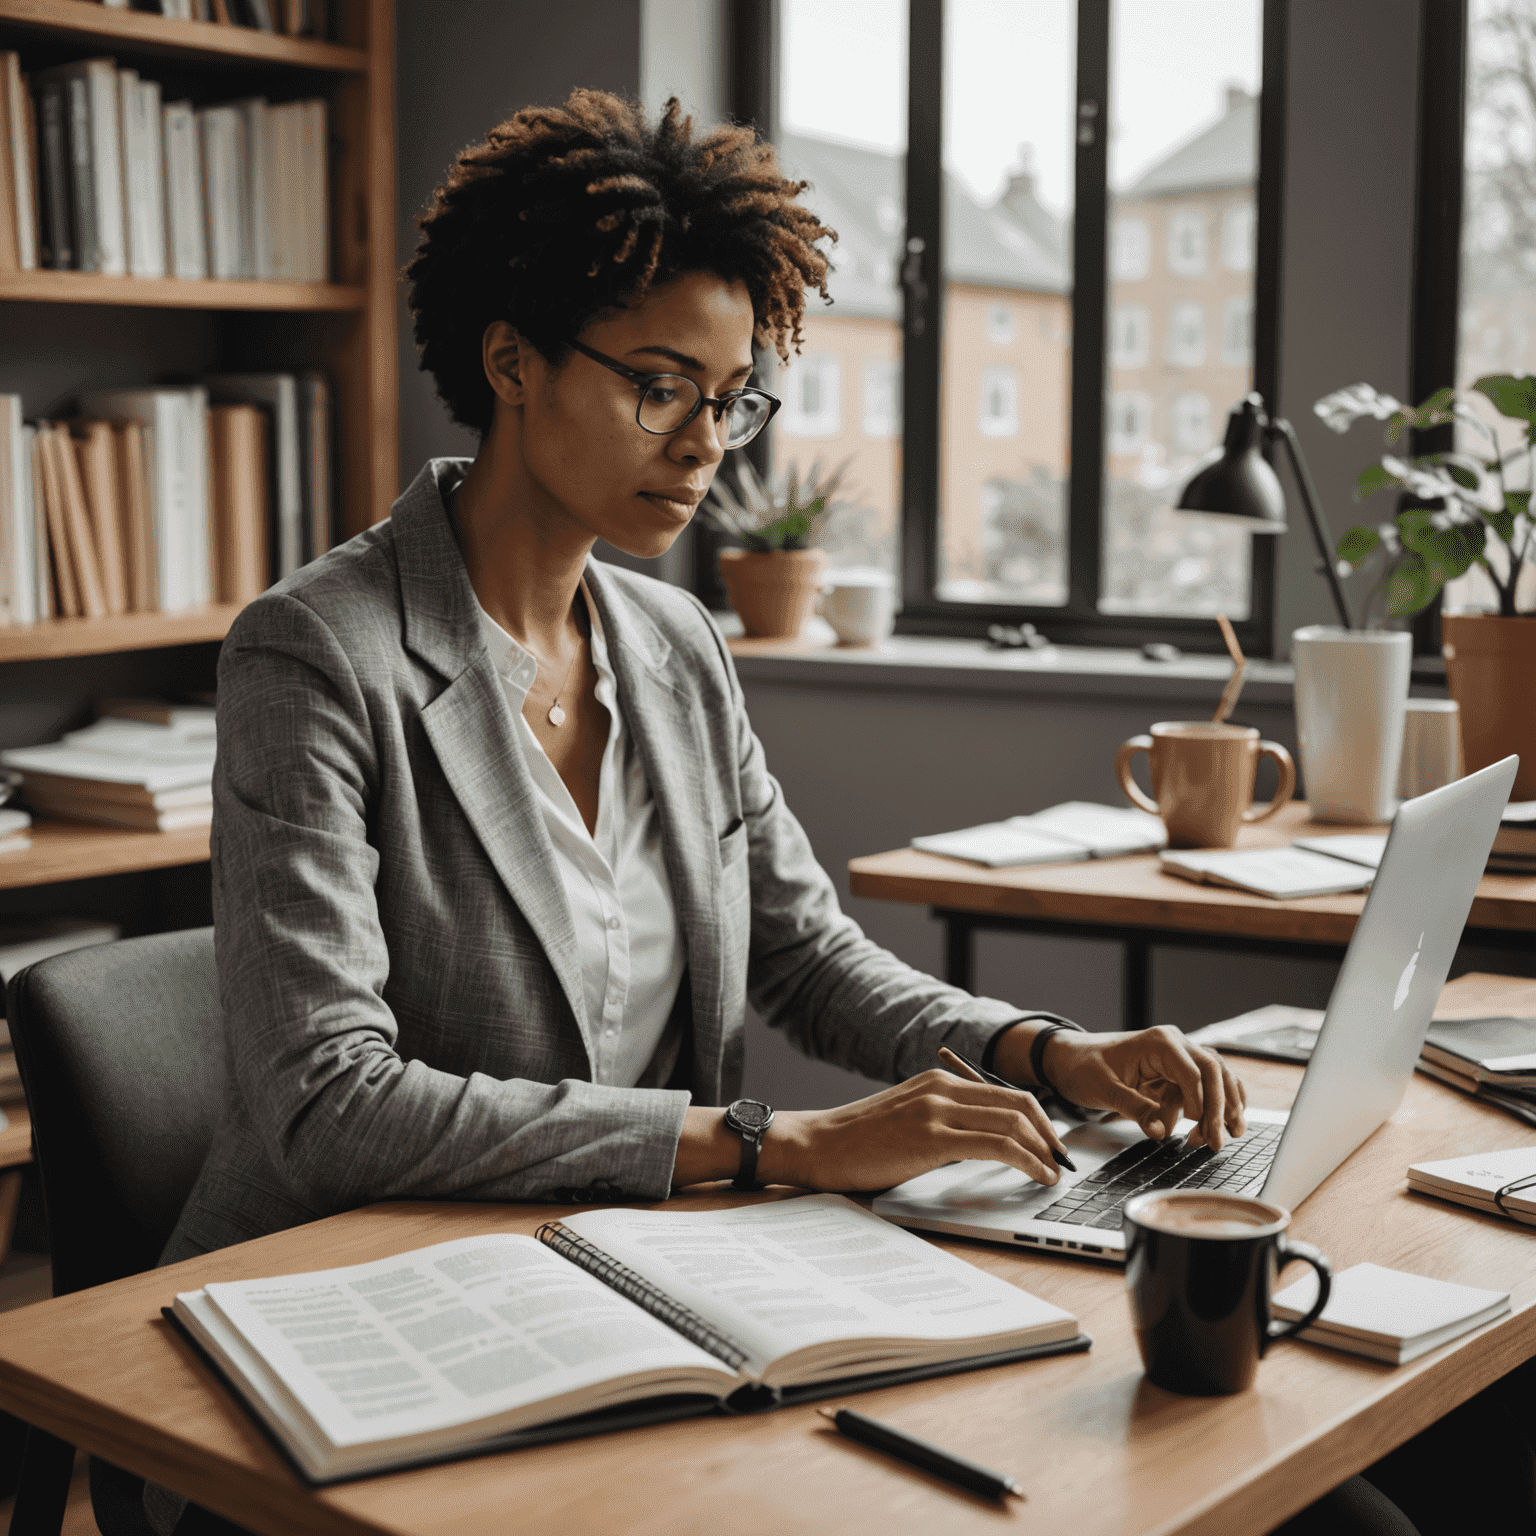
[{"x": 1322, "y": 536}]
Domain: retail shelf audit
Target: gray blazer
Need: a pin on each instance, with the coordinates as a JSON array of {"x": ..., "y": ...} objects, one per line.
[{"x": 399, "y": 978}]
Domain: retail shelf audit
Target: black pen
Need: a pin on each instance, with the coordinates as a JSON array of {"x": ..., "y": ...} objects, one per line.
[
  {"x": 981, "y": 1075},
  {"x": 921, "y": 1453}
]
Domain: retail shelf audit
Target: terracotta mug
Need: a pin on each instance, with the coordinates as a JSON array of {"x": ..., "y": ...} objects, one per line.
[{"x": 1202, "y": 779}]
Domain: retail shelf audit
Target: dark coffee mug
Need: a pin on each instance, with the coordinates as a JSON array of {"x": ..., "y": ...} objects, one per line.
[{"x": 1200, "y": 1269}]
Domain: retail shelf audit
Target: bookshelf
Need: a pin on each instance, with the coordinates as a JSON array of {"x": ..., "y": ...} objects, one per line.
[{"x": 345, "y": 327}]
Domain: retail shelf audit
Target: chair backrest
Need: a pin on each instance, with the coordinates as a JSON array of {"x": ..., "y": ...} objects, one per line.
[{"x": 121, "y": 1053}]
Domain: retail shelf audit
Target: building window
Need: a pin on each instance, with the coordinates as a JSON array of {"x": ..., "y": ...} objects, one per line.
[
  {"x": 1130, "y": 421},
  {"x": 1186, "y": 335},
  {"x": 1237, "y": 333},
  {"x": 810, "y": 388},
  {"x": 1186, "y": 242},
  {"x": 999, "y": 403},
  {"x": 1130, "y": 251},
  {"x": 1237, "y": 238},
  {"x": 1130, "y": 344},
  {"x": 1192, "y": 423},
  {"x": 882, "y": 398},
  {"x": 999, "y": 324}
]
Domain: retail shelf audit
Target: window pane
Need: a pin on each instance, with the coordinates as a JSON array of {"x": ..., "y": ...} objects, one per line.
[
  {"x": 1183, "y": 159},
  {"x": 845, "y": 133},
  {"x": 1009, "y": 67},
  {"x": 1498, "y": 242}
]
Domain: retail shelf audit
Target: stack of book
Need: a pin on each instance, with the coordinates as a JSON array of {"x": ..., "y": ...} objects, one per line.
[
  {"x": 1514, "y": 844},
  {"x": 98, "y": 175},
  {"x": 157, "y": 500},
  {"x": 137, "y": 774},
  {"x": 297, "y": 18},
  {"x": 1492, "y": 1059}
]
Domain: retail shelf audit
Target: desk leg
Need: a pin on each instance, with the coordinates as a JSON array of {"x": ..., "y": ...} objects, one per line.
[
  {"x": 959, "y": 951},
  {"x": 47, "y": 1464},
  {"x": 1136, "y": 984},
  {"x": 10, "y": 1202}
]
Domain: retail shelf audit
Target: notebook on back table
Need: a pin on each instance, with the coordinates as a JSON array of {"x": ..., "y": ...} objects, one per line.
[{"x": 1370, "y": 1038}]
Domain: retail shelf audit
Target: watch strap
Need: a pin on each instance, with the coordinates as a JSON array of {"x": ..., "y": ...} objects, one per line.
[{"x": 746, "y": 1175}]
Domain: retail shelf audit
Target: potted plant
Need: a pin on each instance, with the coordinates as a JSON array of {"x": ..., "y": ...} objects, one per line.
[
  {"x": 1490, "y": 658},
  {"x": 773, "y": 582}
]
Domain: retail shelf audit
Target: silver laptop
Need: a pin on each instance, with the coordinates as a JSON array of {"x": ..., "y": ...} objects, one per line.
[{"x": 1370, "y": 1038}]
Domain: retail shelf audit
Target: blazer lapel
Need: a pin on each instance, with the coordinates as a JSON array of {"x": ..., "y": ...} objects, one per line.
[
  {"x": 669, "y": 734},
  {"x": 471, "y": 728}
]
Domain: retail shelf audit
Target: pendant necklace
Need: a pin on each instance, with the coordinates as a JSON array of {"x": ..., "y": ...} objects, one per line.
[{"x": 556, "y": 716}]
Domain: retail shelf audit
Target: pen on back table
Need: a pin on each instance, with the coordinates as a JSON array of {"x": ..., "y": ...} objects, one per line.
[
  {"x": 981, "y": 1075},
  {"x": 921, "y": 1453}
]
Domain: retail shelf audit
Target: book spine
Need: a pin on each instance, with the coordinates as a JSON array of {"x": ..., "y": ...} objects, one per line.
[
  {"x": 638, "y": 1289},
  {"x": 10, "y": 240},
  {"x": 98, "y": 474},
  {"x": 82, "y": 540},
  {"x": 53, "y": 134},
  {"x": 185, "y": 240},
  {"x": 24, "y": 147},
  {"x": 107, "y": 167},
  {"x": 23, "y": 538},
  {"x": 15, "y": 573},
  {"x": 82, "y": 187},
  {"x": 68, "y": 603},
  {"x": 256, "y": 127},
  {"x": 43, "y": 600}
]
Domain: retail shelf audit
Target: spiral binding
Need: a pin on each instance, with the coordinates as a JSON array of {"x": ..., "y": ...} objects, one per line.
[{"x": 638, "y": 1289}]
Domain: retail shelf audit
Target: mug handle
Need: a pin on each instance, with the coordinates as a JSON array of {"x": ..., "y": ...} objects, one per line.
[
  {"x": 1283, "y": 790},
  {"x": 1285, "y": 1252},
  {"x": 1128, "y": 750}
]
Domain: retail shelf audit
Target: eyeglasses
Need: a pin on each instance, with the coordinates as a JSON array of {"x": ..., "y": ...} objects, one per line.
[{"x": 669, "y": 401}]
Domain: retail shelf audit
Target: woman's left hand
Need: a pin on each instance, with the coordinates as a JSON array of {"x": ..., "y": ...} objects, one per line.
[{"x": 1151, "y": 1076}]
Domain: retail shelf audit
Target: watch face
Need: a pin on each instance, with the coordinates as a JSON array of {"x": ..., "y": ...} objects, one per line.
[{"x": 750, "y": 1115}]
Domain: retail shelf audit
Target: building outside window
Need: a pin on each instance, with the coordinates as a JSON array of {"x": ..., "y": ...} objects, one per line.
[
  {"x": 1191, "y": 423},
  {"x": 999, "y": 324},
  {"x": 1237, "y": 226},
  {"x": 810, "y": 387},
  {"x": 1130, "y": 250},
  {"x": 1130, "y": 421},
  {"x": 1186, "y": 335},
  {"x": 1237, "y": 333},
  {"x": 882, "y": 398},
  {"x": 1000, "y": 403},
  {"x": 1186, "y": 242},
  {"x": 1130, "y": 343}
]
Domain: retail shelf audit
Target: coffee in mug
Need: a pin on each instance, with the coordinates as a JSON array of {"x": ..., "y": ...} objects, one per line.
[
  {"x": 1200, "y": 1270},
  {"x": 1202, "y": 779}
]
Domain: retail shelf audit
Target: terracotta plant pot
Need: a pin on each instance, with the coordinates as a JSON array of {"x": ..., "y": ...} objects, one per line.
[
  {"x": 1490, "y": 664},
  {"x": 773, "y": 594}
]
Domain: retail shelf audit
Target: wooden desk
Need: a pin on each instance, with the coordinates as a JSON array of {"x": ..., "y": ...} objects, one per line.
[
  {"x": 1097, "y": 1449},
  {"x": 1131, "y": 901}
]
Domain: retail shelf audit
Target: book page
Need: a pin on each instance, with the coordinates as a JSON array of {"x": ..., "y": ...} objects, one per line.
[
  {"x": 785, "y": 1277},
  {"x": 448, "y": 1335}
]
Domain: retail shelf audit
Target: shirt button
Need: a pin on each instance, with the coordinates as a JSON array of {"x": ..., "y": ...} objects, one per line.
[{"x": 613, "y": 923}]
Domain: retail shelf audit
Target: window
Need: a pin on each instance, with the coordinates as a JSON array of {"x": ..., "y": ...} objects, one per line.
[
  {"x": 1237, "y": 333},
  {"x": 1237, "y": 238},
  {"x": 1000, "y": 403},
  {"x": 810, "y": 387},
  {"x": 1186, "y": 335},
  {"x": 882, "y": 399},
  {"x": 1066, "y": 188},
  {"x": 1130, "y": 257},
  {"x": 1192, "y": 423},
  {"x": 1186, "y": 242},
  {"x": 1131, "y": 336}
]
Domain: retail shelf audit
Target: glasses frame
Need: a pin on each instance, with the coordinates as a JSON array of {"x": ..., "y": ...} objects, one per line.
[{"x": 643, "y": 382}]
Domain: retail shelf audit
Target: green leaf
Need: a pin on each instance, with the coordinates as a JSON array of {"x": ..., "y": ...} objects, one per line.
[
  {"x": 1396, "y": 425},
  {"x": 1510, "y": 396},
  {"x": 1357, "y": 544},
  {"x": 1373, "y": 478},
  {"x": 1518, "y": 503},
  {"x": 1411, "y": 587}
]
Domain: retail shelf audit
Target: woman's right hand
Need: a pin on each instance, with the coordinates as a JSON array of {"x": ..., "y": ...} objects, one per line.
[{"x": 925, "y": 1122}]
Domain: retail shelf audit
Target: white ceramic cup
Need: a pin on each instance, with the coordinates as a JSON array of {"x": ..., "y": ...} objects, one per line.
[
  {"x": 860, "y": 604},
  {"x": 1431, "y": 747},
  {"x": 1351, "y": 698}
]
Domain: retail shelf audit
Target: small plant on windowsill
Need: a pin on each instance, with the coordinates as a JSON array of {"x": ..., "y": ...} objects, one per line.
[{"x": 773, "y": 582}]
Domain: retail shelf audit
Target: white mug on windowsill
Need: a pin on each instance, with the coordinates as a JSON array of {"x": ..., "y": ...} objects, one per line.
[{"x": 860, "y": 604}]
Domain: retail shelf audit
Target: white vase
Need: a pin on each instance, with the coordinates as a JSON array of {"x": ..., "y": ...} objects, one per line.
[{"x": 1351, "y": 697}]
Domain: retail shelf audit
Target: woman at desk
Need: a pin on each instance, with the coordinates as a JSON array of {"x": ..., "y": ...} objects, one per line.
[{"x": 497, "y": 861}]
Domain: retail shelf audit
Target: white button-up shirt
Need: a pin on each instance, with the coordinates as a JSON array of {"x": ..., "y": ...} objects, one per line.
[{"x": 615, "y": 880}]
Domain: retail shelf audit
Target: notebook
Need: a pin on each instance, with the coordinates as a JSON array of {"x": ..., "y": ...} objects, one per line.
[
  {"x": 1473, "y": 1181},
  {"x": 1499, "y": 1051},
  {"x": 1387, "y": 1314},
  {"x": 605, "y": 1320},
  {"x": 1275, "y": 1032},
  {"x": 1355, "y": 847},
  {"x": 1287, "y": 874},
  {"x": 1063, "y": 834}
]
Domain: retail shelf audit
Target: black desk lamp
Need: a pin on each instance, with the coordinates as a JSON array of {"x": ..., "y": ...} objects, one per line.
[{"x": 1239, "y": 484}]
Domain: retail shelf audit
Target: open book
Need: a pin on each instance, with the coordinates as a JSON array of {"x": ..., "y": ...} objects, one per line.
[
  {"x": 1063, "y": 834},
  {"x": 1284, "y": 873},
  {"x": 490, "y": 1342}
]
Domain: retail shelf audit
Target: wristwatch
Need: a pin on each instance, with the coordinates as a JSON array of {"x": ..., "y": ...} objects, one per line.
[{"x": 750, "y": 1119}]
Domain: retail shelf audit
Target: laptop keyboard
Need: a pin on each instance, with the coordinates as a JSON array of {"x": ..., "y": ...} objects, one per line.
[{"x": 1172, "y": 1164}]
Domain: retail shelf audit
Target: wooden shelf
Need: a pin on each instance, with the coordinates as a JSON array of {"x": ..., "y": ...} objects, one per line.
[
  {"x": 127, "y": 632},
  {"x": 197, "y": 41},
  {"x": 68, "y": 850},
  {"x": 50, "y": 287}
]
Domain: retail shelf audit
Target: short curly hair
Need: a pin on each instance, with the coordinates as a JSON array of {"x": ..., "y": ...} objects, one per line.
[{"x": 566, "y": 213}]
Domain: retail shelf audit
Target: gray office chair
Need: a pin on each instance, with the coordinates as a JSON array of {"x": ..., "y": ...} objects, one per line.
[{"x": 122, "y": 1057}]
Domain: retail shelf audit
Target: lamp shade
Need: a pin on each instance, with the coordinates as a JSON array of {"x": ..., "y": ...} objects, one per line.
[{"x": 1237, "y": 484}]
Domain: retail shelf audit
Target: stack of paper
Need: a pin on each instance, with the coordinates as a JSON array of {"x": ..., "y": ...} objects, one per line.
[
  {"x": 1063, "y": 834},
  {"x": 1388, "y": 1315},
  {"x": 1473, "y": 1181}
]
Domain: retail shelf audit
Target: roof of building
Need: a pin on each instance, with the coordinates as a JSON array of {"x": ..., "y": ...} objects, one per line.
[
  {"x": 859, "y": 193},
  {"x": 1224, "y": 155}
]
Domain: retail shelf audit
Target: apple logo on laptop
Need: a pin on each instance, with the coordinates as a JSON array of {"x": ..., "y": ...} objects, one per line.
[{"x": 1405, "y": 981}]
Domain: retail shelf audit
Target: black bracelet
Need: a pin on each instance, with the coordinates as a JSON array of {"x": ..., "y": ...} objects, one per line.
[{"x": 1037, "y": 1056}]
